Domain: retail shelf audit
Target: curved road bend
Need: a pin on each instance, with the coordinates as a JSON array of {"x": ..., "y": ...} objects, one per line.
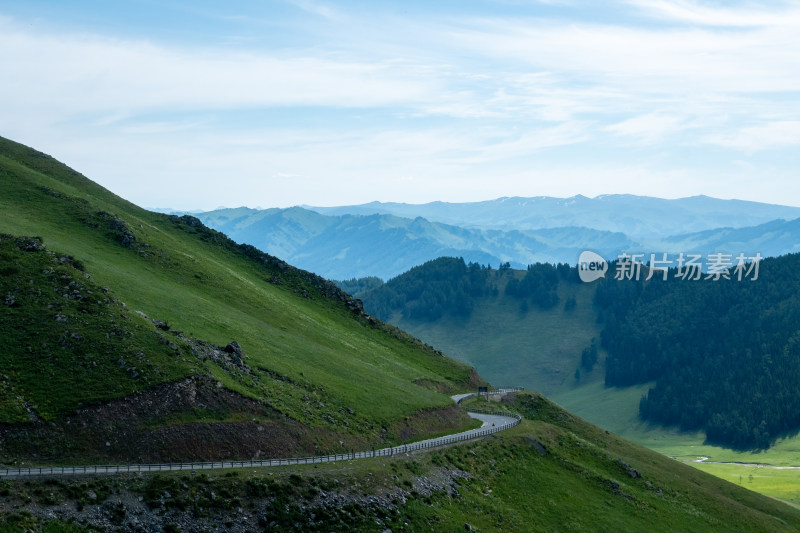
[
  {"x": 491, "y": 423},
  {"x": 458, "y": 398}
]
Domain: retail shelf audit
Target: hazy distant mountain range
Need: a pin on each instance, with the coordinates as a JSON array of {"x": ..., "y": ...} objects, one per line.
[
  {"x": 386, "y": 239},
  {"x": 346, "y": 246},
  {"x": 637, "y": 216}
]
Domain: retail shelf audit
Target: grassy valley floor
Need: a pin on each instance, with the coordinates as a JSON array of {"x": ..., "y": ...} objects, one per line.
[
  {"x": 540, "y": 350},
  {"x": 616, "y": 409},
  {"x": 533, "y": 348}
]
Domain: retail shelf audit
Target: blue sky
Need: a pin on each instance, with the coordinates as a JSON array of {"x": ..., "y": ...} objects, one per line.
[{"x": 198, "y": 104}]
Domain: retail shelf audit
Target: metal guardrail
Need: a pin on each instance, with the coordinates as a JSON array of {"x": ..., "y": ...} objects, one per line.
[
  {"x": 503, "y": 390},
  {"x": 514, "y": 419}
]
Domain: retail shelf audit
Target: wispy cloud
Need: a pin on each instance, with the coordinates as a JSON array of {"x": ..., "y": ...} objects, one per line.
[
  {"x": 716, "y": 15},
  {"x": 73, "y": 74},
  {"x": 773, "y": 134},
  {"x": 659, "y": 61},
  {"x": 317, "y": 8},
  {"x": 510, "y": 98},
  {"x": 648, "y": 129}
]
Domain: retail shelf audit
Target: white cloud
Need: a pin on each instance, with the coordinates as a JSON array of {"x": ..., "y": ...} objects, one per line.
[
  {"x": 654, "y": 61},
  {"x": 317, "y": 8},
  {"x": 470, "y": 108},
  {"x": 72, "y": 74},
  {"x": 151, "y": 128},
  {"x": 774, "y": 134},
  {"x": 696, "y": 13},
  {"x": 648, "y": 129}
]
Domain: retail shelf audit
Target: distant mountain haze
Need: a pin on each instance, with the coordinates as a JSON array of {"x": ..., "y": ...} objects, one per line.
[
  {"x": 639, "y": 217},
  {"x": 386, "y": 239},
  {"x": 346, "y": 246}
]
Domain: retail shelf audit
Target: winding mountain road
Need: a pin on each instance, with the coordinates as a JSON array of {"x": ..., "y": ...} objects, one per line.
[{"x": 491, "y": 422}]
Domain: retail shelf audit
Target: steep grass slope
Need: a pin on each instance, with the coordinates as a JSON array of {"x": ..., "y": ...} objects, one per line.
[
  {"x": 553, "y": 472},
  {"x": 67, "y": 342},
  {"x": 79, "y": 362},
  {"x": 310, "y": 354}
]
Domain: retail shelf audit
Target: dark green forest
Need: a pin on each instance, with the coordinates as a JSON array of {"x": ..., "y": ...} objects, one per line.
[
  {"x": 725, "y": 354},
  {"x": 450, "y": 287},
  {"x": 538, "y": 286},
  {"x": 444, "y": 286},
  {"x": 356, "y": 286}
]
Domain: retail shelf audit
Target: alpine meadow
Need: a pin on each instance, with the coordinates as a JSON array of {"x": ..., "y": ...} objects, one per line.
[
  {"x": 136, "y": 337},
  {"x": 344, "y": 266}
]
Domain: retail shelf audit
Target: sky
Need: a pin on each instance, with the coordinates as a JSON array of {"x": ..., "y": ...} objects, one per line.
[{"x": 196, "y": 104}]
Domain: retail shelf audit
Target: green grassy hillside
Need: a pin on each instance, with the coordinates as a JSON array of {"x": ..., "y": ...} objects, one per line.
[
  {"x": 553, "y": 472},
  {"x": 531, "y": 336},
  {"x": 118, "y": 326},
  {"x": 310, "y": 354},
  {"x": 69, "y": 341},
  {"x": 540, "y": 348}
]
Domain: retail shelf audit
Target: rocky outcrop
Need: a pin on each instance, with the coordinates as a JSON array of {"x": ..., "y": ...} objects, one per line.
[
  {"x": 122, "y": 233},
  {"x": 629, "y": 469},
  {"x": 230, "y": 358}
]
